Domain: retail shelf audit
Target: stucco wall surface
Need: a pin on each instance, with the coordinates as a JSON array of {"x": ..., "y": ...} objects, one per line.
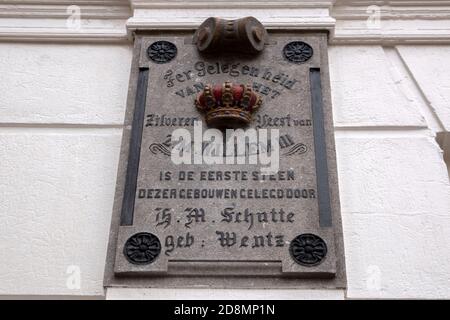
[{"x": 62, "y": 108}]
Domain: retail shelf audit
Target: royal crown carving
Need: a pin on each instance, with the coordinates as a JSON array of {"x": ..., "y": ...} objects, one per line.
[{"x": 228, "y": 105}]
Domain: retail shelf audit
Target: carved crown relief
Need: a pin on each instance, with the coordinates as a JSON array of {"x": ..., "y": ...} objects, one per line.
[{"x": 229, "y": 105}]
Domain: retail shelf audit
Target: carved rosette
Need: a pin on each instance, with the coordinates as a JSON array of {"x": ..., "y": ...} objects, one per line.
[
  {"x": 298, "y": 51},
  {"x": 162, "y": 51},
  {"x": 308, "y": 250},
  {"x": 142, "y": 248}
]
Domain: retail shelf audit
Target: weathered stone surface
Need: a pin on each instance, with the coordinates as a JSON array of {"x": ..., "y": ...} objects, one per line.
[{"x": 191, "y": 229}]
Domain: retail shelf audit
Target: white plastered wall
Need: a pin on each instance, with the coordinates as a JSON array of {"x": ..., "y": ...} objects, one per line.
[{"x": 62, "y": 108}]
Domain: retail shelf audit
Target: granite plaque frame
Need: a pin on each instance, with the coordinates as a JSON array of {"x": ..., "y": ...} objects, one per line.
[{"x": 250, "y": 234}]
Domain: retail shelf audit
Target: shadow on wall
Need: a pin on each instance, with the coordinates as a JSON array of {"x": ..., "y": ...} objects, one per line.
[{"x": 443, "y": 139}]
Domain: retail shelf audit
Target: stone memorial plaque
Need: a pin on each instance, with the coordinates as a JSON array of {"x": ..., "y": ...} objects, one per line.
[{"x": 227, "y": 225}]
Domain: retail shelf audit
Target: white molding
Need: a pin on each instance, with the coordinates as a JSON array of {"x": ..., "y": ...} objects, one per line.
[
  {"x": 191, "y": 18},
  {"x": 230, "y": 4},
  {"x": 299, "y": 24},
  {"x": 59, "y": 10},
  {"x": 393, "y": 12},
  {"x": 98, "y": 36},
  {"x": 32, "y": 20},
  {"x": 402, "y": 21},
  {"x": 178, "y": 14}
]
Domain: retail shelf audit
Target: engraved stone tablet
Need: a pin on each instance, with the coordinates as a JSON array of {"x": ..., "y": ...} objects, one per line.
[{"x": 227, "y": 225}]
